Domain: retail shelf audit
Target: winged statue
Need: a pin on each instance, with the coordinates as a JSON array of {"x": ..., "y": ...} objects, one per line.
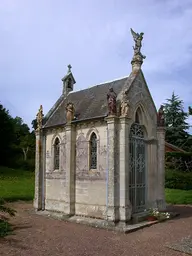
[{"x": 138, "y": 39}]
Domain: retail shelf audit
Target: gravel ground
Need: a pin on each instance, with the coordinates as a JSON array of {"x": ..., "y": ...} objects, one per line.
[{"x": 42, "y": 236}]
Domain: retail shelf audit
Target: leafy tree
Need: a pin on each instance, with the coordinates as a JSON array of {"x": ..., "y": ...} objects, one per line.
[
  {"x": 27, "y": 143},
  {"x": 6, "y": 135},
  {"x": 16, "y": 140},
  {"x": 34, "y": 124},
  {"x": 175, "y": 121},
  {"x": 24, "y": 140},
  {"x": 190, "y": 110}
]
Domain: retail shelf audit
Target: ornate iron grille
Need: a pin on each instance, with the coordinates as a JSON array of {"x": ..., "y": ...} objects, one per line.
[
  {"x": 56, "y": 154},
  {"x": 137, "y": 173},
  {"x": 93, "y": 151}
]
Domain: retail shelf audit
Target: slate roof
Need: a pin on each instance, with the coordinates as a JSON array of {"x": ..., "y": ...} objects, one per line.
[
  {"x": 89, "y": 103},
  {"x": 175, "y": 148}
]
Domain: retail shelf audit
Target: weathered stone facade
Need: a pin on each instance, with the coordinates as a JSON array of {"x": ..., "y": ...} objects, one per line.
[{"x": 128, "y": 170}]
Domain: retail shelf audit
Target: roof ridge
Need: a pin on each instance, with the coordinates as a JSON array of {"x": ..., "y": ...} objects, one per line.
[{"x": 103, "y": 83}]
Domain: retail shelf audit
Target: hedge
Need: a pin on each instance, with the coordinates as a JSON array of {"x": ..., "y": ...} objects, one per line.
[
  {"x": 178, "y": 180},
  {"x": 180, "y": 161}
]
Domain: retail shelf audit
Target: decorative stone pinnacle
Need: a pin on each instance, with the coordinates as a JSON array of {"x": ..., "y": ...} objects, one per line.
[
  {"x": 39, "y": 118},
  {"x": 69, "y": 68}
]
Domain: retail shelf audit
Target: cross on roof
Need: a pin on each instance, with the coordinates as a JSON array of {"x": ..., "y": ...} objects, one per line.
[{"x": 69, "y": 68}]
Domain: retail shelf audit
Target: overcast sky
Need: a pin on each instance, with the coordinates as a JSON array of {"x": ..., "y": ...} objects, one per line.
[{"x": 40, "y": 38}]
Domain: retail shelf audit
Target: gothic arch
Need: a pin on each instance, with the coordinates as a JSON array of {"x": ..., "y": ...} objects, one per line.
[
  {"x": 56, "y": 157},
  {"x": 56, "y": 153},
  {"x": 89, "y": 133},
  {"x": 93, "y": 151},
  {"x": 144, "y": 119},
  {"x": 55, "y": 136}
]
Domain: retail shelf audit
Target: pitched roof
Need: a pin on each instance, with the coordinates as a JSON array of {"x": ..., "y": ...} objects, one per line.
[
  {"x": 175, "y": 148},
  {"x": 89, "y": 103}
]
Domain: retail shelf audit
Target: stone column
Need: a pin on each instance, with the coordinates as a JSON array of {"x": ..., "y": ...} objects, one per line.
[
  {"x": 38, "y": 170},
  {"x": 151, "y": 173},
  {"x": 112, "y": 199},
  {"x": 124, "y": 206},
  {"x": 70, "y": 169},
  {"x": 161, "y": 204}
]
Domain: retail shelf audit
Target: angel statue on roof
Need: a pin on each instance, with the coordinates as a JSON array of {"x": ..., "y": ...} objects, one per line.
[{"x": 138, "y": 39}]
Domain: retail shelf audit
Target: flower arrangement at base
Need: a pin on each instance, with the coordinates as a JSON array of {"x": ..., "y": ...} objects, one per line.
[{"x": 155, "y": 214}]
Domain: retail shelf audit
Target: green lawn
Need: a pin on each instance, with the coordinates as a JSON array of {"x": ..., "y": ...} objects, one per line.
[
  {"x": 177, "y": 196},
  {"x": 16, "y": 184},
  {"x": 19, "y": 185}
]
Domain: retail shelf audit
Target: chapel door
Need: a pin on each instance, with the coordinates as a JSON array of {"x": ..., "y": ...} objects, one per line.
[{"x": 137, "y": 170}]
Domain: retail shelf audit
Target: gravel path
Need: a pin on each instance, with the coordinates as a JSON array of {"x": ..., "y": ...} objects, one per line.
[{"x": 41, "y": 236}]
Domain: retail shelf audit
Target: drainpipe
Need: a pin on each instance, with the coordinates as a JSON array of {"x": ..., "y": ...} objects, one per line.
[{"x": 107, "y": 172}]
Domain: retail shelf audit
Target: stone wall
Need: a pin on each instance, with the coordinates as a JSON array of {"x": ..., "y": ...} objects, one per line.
[
  {"x": 55, "y": 183},
  {"x": 91, "y": 184}
]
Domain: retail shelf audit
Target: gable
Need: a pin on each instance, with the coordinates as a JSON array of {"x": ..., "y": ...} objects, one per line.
[{"x": 138, "y": 93}]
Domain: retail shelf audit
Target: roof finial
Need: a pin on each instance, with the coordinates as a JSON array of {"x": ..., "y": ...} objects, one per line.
[
  {"x": 138, "y": 57},
  {"x": 69, "y": 68},
  {"x": 39, "y": 118}
]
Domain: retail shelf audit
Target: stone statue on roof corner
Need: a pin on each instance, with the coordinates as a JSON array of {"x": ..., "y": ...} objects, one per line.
[
  {"x": 137, "y": 48},
  {"x": 125, "y": 104},
  {"x": 39, "y": 118},
  {"x": 112, "y": 104},
  {"x": 161, "y": 117},
  {"x": 70, "y": 111}
]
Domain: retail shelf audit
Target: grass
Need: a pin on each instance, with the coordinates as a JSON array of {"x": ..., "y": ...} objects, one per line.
[
  {"x": 19, "y": 185},
  {"x": 177, "y": 196},
  {"x": 16, "y": 184}
]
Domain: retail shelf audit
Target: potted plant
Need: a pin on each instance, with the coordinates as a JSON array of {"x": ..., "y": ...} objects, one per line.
[{"x": 154, "y": 214}]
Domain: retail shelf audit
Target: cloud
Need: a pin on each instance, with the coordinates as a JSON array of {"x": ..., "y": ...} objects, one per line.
[{"x": 40, "y": 38}]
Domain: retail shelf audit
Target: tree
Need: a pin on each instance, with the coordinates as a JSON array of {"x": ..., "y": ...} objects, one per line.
[
  {"x": 175, "y": 122},
  {"x": 24, "y": 139},
  {"x": 6, "y": 135},
  {"x": 190, "y": 110},
  {"x": 34, "y": 124},
  {"x": 16, "y": 140}
]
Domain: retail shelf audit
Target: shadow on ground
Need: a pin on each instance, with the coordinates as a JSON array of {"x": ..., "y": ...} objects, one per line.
[
  {"x": 13, "y": 242},
  {"x": 185, "y": 211}
]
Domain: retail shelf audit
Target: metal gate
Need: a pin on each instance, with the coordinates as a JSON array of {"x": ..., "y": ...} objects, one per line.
[{"x": 137, "y": 170}]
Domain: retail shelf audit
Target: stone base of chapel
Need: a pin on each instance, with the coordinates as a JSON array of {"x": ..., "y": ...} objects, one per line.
[{"x": 120, "y": 226}]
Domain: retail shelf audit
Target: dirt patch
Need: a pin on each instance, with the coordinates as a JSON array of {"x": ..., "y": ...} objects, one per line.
[{"x": 37, "y": 235}]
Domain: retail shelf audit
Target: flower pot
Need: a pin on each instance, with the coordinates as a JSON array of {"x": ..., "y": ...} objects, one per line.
[{"x": 151, "y": 218}]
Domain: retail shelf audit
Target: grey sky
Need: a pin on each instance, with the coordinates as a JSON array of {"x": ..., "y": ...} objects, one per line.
[{"x": 40, "y": 38}]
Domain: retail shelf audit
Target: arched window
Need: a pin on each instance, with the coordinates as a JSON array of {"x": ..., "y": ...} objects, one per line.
[
  {"x": 137, "y": 118},
  {"x": 93, "y": 151},
  {"x": 56, "y": 154}
]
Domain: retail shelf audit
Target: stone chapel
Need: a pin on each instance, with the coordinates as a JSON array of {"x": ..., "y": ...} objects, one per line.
[{"x": 100, "y": 151}]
